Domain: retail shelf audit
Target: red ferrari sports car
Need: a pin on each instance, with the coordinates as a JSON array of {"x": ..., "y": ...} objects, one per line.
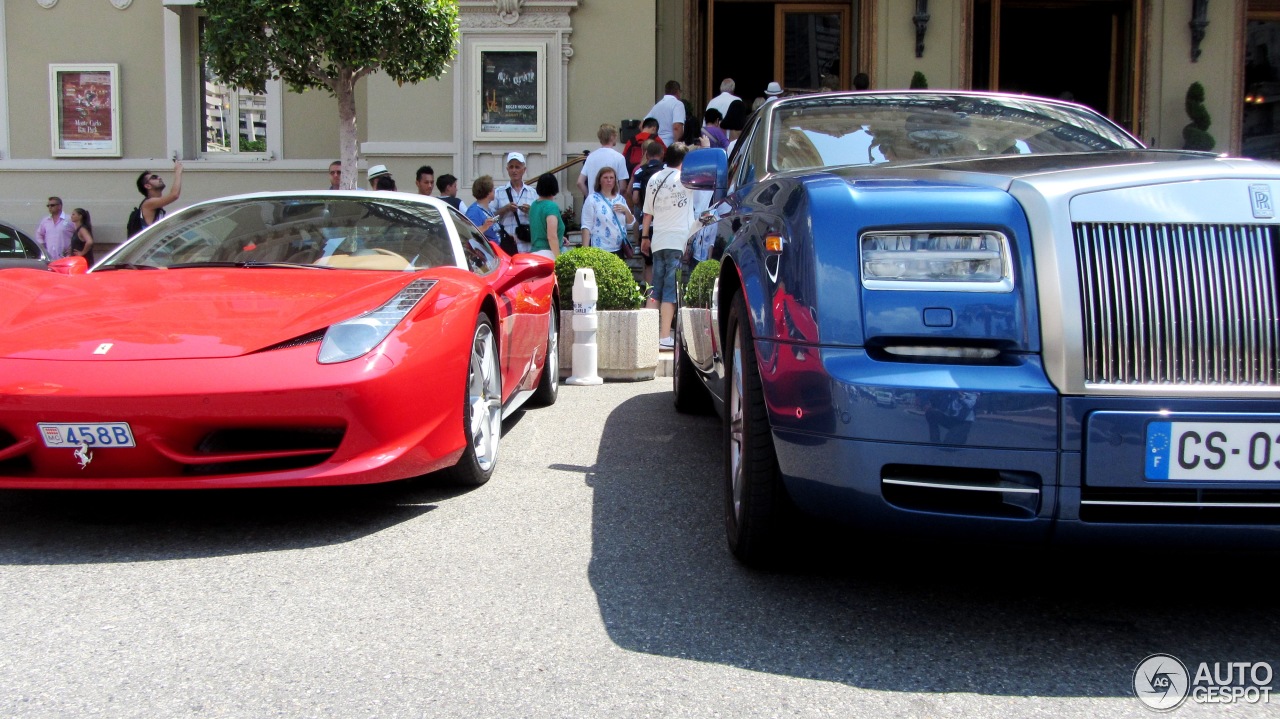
[{"x": 275, "y": 339}]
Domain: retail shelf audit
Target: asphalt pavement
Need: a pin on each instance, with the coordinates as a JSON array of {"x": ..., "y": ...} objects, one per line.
[{"x": 588, "y": 578}]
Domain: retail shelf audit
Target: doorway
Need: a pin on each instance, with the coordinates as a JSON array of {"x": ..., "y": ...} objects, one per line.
[
  {"x": 1260, "y": 121},
  {"x": 812, "y": 46},
  {"x": 1082, "y": 50}
]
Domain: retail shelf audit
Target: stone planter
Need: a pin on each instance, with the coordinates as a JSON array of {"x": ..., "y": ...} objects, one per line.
[{"x": 627, "y": 342}]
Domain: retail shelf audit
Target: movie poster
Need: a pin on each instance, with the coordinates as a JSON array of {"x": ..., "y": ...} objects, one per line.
[
  {"x": 86, "y": 113},
  {"x": 509, "y": 87}
]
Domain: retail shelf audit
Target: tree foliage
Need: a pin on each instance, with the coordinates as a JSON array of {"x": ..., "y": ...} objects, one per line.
[
  {"x": 329, "y": 45},
  {"x": 918, "y": 81}
]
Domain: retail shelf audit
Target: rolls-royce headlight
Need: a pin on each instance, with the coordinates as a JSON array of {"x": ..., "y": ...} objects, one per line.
[
  {"x": 957, "y": 261},
  {"x": 353, "y": 338}
]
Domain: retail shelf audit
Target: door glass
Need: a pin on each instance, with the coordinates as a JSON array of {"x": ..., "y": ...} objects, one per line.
[
  {"x": 812, "y": 50},
  {"x": 1262, "y": 90}
]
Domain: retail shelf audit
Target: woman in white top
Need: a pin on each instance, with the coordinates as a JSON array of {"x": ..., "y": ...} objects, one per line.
[{"x": 605, "y": 215}]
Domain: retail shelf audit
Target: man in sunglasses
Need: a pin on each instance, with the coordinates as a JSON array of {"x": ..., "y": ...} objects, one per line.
[
  {"x": 152, "y": 188},
  {"x": 55, "y": 231}
]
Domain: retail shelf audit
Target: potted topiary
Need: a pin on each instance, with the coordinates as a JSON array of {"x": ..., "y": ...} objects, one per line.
[
  {"x": 1195, "y": 136},
  {"x": 627, "y": 338}
]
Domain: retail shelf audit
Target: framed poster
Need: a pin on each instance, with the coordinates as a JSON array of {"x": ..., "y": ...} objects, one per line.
[
  {"x": 513, "y": 92},
  {"x": 84, "y": 116}
]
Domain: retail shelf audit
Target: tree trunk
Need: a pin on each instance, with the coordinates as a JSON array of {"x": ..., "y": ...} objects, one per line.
[{"x": 345, "y": 90}]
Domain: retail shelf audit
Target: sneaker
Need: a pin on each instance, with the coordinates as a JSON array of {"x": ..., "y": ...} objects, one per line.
[{"x": 666, "y": 343}]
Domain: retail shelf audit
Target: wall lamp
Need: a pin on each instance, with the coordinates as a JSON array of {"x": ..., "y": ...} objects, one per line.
[
  {"x": 921, "y": 20},
  {"x": 1199, "y": 21}
]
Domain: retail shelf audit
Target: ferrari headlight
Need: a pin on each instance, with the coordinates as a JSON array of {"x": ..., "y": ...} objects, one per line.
[
  {"x": 964, "y": 261},
  {"x": 353, "y": 338}
]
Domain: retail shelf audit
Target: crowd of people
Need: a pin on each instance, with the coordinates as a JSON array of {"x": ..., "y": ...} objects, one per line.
[{"x": 633, "y": 200}]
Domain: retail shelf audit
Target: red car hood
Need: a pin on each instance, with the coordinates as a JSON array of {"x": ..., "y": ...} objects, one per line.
[{"x": 177, "y": 314}]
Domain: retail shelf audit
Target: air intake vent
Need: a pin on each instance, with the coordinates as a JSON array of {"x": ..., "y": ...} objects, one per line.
[
  {"x": 962, "y": 491},
  {"x": 309, "y": 338},
  {"x": 241, "y": 450}
]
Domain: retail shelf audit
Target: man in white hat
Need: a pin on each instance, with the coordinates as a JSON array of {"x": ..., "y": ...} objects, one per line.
[{"x": 511, "y": 201}]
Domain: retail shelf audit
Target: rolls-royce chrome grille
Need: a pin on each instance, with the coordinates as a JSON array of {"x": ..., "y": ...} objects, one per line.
[{"x": 1179, "y": 303}]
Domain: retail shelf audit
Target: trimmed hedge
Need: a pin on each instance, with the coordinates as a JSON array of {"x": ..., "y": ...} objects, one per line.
[
  {"x": 617, "y": 288},
  {"x": 697, "y": 293}
]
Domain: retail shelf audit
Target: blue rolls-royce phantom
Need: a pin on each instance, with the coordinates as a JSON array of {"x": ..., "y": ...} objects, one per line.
[{"x": 968, "y": 313}]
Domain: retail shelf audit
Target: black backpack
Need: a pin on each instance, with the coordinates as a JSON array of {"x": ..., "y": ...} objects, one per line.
[{"x": 134, "y": 225}]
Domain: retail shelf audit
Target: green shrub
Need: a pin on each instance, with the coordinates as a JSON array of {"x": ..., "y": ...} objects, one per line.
[
  {"x": 918, "y": 81},
  {"x": 617, "y": 288},
  {"x": 697, "y": 293},
  {"x": 1195, "y": 136}
]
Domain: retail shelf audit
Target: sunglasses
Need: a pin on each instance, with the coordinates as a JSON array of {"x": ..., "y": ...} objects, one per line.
[{"x": 54, "y": 204}]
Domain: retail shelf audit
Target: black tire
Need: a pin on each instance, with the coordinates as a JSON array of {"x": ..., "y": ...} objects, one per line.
[
  {"x": 482, "y": 392},
  {"x": 690, "y": 394},
  {"x": 549, "y": 381},
  {"x": 757, "y": 507}
]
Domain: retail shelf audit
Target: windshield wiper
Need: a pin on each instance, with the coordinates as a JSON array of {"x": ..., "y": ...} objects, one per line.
[
  {"x": 250, "y": 263},
  {"x": 125, "y": 266}
]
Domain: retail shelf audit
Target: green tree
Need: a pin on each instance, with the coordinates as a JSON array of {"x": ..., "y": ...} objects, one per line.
[
  {"x": 918, "y": 81},
  {"x": 330, "y": 45}
]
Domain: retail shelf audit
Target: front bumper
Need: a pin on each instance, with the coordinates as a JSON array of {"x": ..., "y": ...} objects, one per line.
[
  {"x": 268, "y": 419},
  {"x": 993, "y": 452}
]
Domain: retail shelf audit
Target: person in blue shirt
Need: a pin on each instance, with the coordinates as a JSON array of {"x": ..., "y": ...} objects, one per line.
[{"x": 478, "y": 211}]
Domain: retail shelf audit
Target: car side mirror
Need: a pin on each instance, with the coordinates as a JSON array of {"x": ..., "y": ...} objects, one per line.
[
  {"x": 706, "y": 169},
  {"x": 526, "y": 266},
  {"x": 70, "y": 266}
]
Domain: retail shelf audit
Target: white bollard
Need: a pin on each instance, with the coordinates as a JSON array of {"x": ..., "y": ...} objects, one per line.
[{"x": 585, "y": 324}]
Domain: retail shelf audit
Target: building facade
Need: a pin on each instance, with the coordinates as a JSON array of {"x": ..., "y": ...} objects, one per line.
[{"x": 93, "y": 92}]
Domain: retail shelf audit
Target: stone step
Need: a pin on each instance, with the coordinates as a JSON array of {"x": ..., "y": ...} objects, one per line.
[{"x": 665, "y": 358}]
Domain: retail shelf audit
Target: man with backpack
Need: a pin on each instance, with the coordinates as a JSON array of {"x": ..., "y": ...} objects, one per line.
[
  {"x": 634, "y": 151},
  {"x": 155, "y": 199}
]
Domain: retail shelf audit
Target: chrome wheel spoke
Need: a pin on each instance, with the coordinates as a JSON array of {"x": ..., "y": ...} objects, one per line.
[
  {"x": 485, "y": 398},
  {"x": 737, "y": 433}
]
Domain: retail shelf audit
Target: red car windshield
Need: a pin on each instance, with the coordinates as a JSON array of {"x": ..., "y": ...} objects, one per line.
[{"x": 318, "y": 231}]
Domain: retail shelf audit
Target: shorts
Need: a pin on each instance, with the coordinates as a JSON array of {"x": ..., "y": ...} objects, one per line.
[{"x": 665, "y": 264}]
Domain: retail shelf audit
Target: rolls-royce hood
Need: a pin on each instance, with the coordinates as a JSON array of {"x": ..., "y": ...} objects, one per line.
[
  {"x": 177, "y": 314},
  {"x": 1080, "y": 169}
]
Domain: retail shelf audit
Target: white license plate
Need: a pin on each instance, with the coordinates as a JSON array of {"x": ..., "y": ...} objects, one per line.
[
  {"x": 94, "y": 434},
  {"x": 1227, "y": 451}
]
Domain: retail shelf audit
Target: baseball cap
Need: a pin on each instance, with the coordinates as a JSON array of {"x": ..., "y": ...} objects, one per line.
[
  {"x": 378, "y": 171},
  {"x": 773, "y": 90},
  {"x": 515, "y": 156}
]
